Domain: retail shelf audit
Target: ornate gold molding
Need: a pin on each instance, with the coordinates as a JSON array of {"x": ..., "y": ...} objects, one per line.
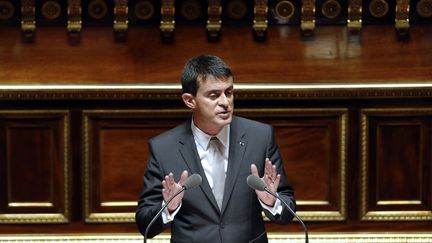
[
  {"x": 284, "y": 9},
  {"x": 423, "y": 8},
  {"x": 331, "y": 9},
  {"x": 260, "y": 22},
  {"x": 402, "y": 16},
  {"x": 379, "y": 8},
  {"x": 167, "y": 23},
  {"x": 120, "y": 19},
  {"x": 331, "y": 237},
  {"x": 243, "y": 91},
  {"x": 74, "y": 17},
  {"x": 389, "y": 215},
  {"x": 30, "y": 204},
  {"x": 51, "y": 9},
  {"x": 214, "y": 21},
  {"x": 28, "y": 22},
  {"x": 307, "y": 25},
  {"x": 7, "y": 10},
  {"x": 354, "y": 15},
  {"x": 44, "y": 218}
]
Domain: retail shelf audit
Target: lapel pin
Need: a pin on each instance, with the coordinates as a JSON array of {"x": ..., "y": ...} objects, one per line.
[{"x": 241, "y": 143}]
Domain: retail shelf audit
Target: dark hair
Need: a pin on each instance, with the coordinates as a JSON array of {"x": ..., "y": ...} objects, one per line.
[{"x": 198, "y": 68}]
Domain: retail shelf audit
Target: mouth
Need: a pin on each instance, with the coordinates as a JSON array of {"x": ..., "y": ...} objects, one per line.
[{"x": 224, "y": 114}]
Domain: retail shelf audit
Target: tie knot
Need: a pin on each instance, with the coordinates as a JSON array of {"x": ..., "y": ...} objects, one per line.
[{"x": 217, "y": 144}]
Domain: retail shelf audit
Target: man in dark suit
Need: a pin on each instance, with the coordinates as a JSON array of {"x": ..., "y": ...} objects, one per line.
[{"x": 223, "y": 208}]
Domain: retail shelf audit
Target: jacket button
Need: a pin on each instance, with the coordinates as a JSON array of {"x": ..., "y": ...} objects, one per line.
[{"x": 222, "y": 225}]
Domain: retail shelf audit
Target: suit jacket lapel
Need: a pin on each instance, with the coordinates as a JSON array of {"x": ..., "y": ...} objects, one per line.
[
  {"x": 238, "y": 144},
  {"x": 190, "y": 155}
]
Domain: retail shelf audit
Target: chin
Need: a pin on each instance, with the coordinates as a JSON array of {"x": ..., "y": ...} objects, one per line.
[{"x": 226, "y": 121}]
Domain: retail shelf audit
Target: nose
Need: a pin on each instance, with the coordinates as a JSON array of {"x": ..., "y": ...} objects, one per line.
[{"x": 223, "y": 101}]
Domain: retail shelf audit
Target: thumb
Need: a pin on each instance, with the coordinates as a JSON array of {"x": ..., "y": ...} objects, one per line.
[{"x": 254, "y": 170}]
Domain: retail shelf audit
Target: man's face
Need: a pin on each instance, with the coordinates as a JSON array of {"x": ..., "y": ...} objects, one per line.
[{"x": 213, "y": 104}]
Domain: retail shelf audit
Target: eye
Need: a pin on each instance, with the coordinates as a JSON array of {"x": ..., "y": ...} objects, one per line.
[
  {"x": 213, "y": 95},
  {"x": 229, "y": 92}
]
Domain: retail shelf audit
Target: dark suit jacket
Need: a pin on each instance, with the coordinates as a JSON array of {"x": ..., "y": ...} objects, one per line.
[{"x": 199, "y": 218}]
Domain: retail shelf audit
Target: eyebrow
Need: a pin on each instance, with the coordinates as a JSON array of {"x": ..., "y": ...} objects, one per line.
[{"x": 218, "y": 90}]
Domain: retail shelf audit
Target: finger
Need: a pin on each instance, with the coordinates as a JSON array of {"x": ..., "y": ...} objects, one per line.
[
  {"x": 165, "y": 190},
  {"x": 164, "y": 184},
  {"x": 165, "y": 194},
  {"x": 276, "y": 182},
  {"x": 167, "y": 182},
  {"x": 254, "y": 170},
  {"x": 184, "y": 176},
  {"x": 171, "y": 179},
  {"x": 268, "y": 167},
  {"x": 274, "y": 172},
  {"x": 268, "y": 171}
]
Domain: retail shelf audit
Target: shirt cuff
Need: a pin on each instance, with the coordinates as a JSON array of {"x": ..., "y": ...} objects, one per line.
[
  {"x": 166, "y": 216},
  {"x": 275, "y": 210}
]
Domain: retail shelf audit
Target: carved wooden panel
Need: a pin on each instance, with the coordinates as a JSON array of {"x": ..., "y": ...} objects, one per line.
[
  {"x": 115, "y": 155},
  {"x": 314, "y": 149},
  {"x": 115, "y": 158},
  {"x": 396, "y": 164},
  {"x": 34, "y": 162}
]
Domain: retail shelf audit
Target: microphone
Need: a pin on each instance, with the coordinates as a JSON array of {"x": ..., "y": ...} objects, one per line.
[
  {"x": 192, "y": 182},
  {"x": 256, "y": 183}
]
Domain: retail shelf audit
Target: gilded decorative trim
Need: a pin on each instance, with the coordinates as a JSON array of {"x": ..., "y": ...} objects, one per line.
[
  {"x": 242, "y": 91},
  {"x": 167, "y": 23},
  {"x": 354, "y": 15},
  {"x": 364, "y": 145},
  {"x": 402, "y": 15},
  {"x": 28, "y": 22},
  {"x": 110, "y": 218},
  {"x": 86, "y": 163},
  {"x": 332, "y": 237},
  {"x": 44, "y": 218},
  {"x": 7, "y": 10},
  {"x": 308, "y": 16},
  {"x": 379, "y": 8},
  {"x": 37, "y": 218},
  {"x": 74, "y": 17},
  {"x": 214, "y": 22},
  {"x": 341, "y": 213},
  {"x": 116, "y": 204},
  {"x": 423, "y": 8},
  {"x": 30, "y": 204},
  {"x": 284, "y": 10},
  {"x": 51, "y": 9},
  {"x": 260, "y": 22},
  {"x": 121, "y": 16},
  {"x": 331, "y": 9},
  {"x": 113, "y": 217}
]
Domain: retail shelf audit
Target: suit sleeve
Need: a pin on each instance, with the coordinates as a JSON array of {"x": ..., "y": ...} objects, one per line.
[
  {"x": 284, "y": 190},
  {"x": 150, "y": 200}
]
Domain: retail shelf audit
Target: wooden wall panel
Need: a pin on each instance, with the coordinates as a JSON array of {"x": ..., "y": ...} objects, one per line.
[
  {"x": 332, "y": 56},
  {"x": 339, "y": 151},
  {"x": 116, "y": 154},
  {"x": 396, "y": 164},
  {"x": 115, "y": 158},
  {"x": 35, "y": 166},
  {"x": 313, "y": 145}
]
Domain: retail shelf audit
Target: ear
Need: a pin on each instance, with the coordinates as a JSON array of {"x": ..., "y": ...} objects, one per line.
[{"x": 189, "y": 100}]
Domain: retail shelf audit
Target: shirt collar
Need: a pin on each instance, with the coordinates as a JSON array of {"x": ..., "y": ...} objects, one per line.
[{"x": 203, "y": 138}]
